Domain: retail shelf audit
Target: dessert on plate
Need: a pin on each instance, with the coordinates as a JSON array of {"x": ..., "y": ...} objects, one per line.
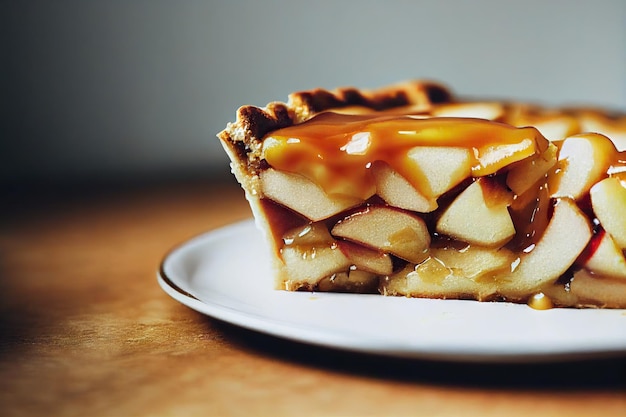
[{"x": 409, "y": 190}]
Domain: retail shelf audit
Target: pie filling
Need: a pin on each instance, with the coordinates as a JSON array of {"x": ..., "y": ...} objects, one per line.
[{"x": 465, "y": 200}]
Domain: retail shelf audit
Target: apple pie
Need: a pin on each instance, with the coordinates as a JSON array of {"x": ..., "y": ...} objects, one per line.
[{"x": 409, "y": 190}]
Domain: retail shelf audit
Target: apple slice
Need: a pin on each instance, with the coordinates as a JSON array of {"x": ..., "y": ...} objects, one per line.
[
  {"x": 606, "y": 258},
  {"x": 387, "y": 229},
  {"x": 440, "y": 168},
  {"x": 353, "y": 281},
  {"x": 366, "y": 259},
  {"x": 431, "y": 279},
  {"x": 478, "y": 110},
  {"x": 554, "y": 126},
  {"x": 397, "y": 191},
  {"x": 559, "y": 294},
  {"x": 605, "y": 292},
  {"x": 566, "y": 236},
  {"x": 302, "y": 195},
  {"x": 608, "y": 199},
  {"x": 312, "y": 234},
  {"x": 310, "y": 264},
  {"x": 583, "y": 161},
  {"x": 557, "y": 127},
  {"x": 526, "y": 173},
  {"x": 492, "y": 158},
  {"x": 475, "y": 262},
  {"x": 614, "y": 128},
  {"x": 479, "y": 215}
]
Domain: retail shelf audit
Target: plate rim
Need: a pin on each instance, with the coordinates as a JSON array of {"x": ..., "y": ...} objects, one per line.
[{"x": 284, "y": 330}]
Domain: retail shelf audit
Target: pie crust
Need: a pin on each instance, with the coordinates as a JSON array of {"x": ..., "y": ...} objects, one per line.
[{"x": 485, "y": 200}]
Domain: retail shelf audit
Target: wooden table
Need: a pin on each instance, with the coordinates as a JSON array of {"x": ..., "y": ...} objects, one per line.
[{"x": 86, "y": 331}]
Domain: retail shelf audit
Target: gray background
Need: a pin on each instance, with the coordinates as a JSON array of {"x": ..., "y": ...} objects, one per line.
[{"x": 131, "y": 89}]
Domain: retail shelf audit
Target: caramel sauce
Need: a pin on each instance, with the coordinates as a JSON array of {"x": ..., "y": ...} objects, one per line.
[
  {"x": 540, "y": 301},
  {"x": 336, "y": 150},
  {"x": 531, "y": 213},
  {"x": 618, "y": 167},
  {"x": 592, "y": 247}
]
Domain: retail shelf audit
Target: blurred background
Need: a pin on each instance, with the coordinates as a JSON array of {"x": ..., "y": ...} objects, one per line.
[{"x": 129, "y": 91}]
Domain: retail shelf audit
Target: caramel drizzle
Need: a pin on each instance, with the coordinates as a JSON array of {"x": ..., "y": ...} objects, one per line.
[{"x": 336, "y": 150}]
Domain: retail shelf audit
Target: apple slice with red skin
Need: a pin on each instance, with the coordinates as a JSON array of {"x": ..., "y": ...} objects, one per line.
[
  {"x": 608, "y": 200},
  {"x": 388, "y": 230},
  {"x": 479, "y": 215},
  {"x": 564, "y": 239},
  {"x": 603, "y": 257}
]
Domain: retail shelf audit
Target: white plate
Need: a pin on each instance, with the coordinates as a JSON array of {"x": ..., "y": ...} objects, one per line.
[{"x": 225, "y": 274}]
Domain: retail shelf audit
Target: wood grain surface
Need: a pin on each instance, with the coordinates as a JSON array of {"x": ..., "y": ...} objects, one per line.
[{"x": 86, "y": 331}]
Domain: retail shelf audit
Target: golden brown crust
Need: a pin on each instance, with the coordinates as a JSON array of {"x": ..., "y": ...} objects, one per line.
[{"x": 243, "y": 137}]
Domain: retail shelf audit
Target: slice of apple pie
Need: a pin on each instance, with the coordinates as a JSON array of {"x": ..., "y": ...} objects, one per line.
[{"x": 407, "y": 190}]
